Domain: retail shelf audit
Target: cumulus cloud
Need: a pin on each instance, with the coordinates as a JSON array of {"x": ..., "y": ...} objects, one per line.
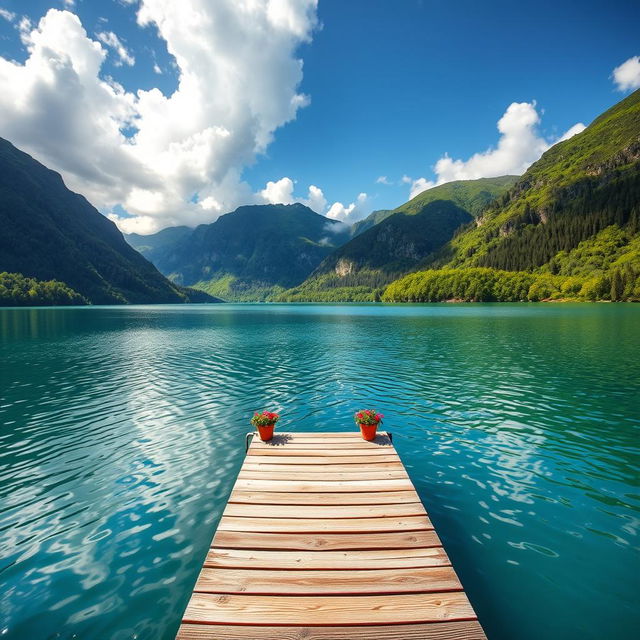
[
  {"x": 627, "y": 75},
  {"x": 111, "y": 40},
  {"x": 573, "y": 131},
  {"x": 520, "y": 144},
  {"x": 316, "y": 200},
  {"x": 420, "y": 185},
  {"x": 166, "y": 159},
  {"x": 281, "y": 192},
  {"x": 383, "y": 180},
  {"x": 351, "y": 213}
]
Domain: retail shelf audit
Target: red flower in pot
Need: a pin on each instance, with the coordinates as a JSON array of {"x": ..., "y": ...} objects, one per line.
[
  {"x": 368, "y": 420},
  {"x": 265, "y": 423}
]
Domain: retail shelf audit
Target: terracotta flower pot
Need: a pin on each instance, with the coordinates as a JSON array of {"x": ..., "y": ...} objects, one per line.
[
  {"x": 266, "y": 432},
  {"x": 368, "y": 431}
]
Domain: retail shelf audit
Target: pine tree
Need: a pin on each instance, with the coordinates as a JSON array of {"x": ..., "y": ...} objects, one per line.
[{"x": 617, "y": 286}]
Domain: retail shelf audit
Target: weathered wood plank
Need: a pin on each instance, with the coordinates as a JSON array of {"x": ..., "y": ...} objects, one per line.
[
  {"x": 325, "y": 460},
  {"x": 302, "y": 435},
  {"x": 273, "y": 465},
  {"x": 385, "y": 474},
  {"x": 326, "y": 582},
  {"x": 318, "y": 525},
  {"x": 345, "y": 560},
  {"x": 328, "y": 541},
  {"x": 326, "y": 444},
  {"x": 328, "y": 610},
  {"x": 335, "y": 486},
  {"x": 468, "y": 630},
  {"x": 319, "y": 451},
  {"x": 325, "y": 512},
  {"x": 322, "y": 498},
  {"x": 347, "y": 445}
]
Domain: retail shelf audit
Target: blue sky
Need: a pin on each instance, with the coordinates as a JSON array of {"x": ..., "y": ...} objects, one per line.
[{"x": 387, "y": 88}]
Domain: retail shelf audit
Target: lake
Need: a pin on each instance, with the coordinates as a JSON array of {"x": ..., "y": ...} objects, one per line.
[{"x": 122, "y": 430}]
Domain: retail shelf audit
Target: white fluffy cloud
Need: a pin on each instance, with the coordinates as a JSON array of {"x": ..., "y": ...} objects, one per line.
[
  {"x": 281, "y": 192},
  {"x": 184, "y": 160},
  {"x": 9, "y": 16},
  {"x": 518, "y": 147},
  {"x": 572, "y": 131},
  {"x": 627, "y": 75},
  {"x": 419, "y": 185},
  {"x": 315, "y": 200},
  {"x": 111, "y": 40},
  {"x": 351, "y": 213}
]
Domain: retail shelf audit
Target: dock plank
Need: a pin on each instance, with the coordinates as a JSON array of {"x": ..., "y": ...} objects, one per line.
[
  {"x": 306, "y": 457},
  {"x": 337, "y": 560},
  {"x": 273, "y": 465},
  {"x": 263, "y": 474},
  {"x": 330, "y": 541},
  {"x": 325, "y": 512},
  {"x": 214, "y": 608},
  {"x": 324, "y": 536},
  {"x": 470, "y": 630},
  {"x": 322, "y": 498},
  {"x": 328, "y": 582},
  {"x": 325, "y": 452},
  {"x": 318, "y": 443},
  {"x": 320, "y": 525},
  {"x": 332, "y": 486}
]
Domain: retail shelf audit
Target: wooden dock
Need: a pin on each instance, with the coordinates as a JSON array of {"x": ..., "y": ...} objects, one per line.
[{"x": 324, "y": 536}]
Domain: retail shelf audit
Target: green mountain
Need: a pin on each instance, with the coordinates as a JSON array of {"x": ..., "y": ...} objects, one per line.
[
  {"x": 50, "y": 233},
  {"x": 155, "y": 245},
  {"x": 572, "y": 220},
  {"x": 370, "y": 221},
  {"x": 577, "y": 188},
  {"x": 400, "y": 242},
  {"x": 250, "y": 254}
]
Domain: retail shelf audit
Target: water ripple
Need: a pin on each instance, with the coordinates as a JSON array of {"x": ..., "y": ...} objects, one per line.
[{"x": 122, "y": 432}]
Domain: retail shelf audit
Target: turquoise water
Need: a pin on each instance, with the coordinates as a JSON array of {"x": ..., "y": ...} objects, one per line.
[{"x": 122, "y": 429}]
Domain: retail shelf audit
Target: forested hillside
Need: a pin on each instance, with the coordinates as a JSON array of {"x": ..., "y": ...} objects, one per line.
[
  {"x": 573, "y": 219},
  {"x": 577, "y": 188},
  {"x": 18, "y": 291}
]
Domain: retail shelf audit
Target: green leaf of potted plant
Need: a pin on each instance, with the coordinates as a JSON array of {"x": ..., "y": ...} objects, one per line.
[
  {"x": 368, "y": 420},
  {"x": 265, "y": 423}
]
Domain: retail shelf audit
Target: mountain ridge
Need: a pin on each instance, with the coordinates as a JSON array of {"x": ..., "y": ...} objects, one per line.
[
  {"x": 53, "y": 234},
  {"x": 251, "y": 253}
]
